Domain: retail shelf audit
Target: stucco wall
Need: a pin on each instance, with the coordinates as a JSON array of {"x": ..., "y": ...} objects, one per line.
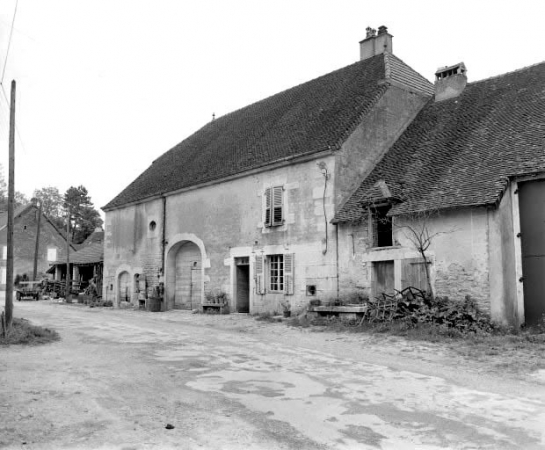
[
  {"x": 130, "y": 245},
  {"x": 458, "y": 253},
  {"x": 505, "y": 306},
  {"x": 226, "y": 221},
  {"x": 374, "y": 136}
]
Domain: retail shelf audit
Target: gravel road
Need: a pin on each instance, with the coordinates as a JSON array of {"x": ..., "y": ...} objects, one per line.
[{"x": 119, "y": 377}]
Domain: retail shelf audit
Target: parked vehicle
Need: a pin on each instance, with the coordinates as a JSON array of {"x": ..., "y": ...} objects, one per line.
[{"x": 29, "y": 289}]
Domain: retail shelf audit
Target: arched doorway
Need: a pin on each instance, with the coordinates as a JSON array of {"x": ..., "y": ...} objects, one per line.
[
  {"x": 124, "y": 287},
  {"x": 188, "y": 278}
]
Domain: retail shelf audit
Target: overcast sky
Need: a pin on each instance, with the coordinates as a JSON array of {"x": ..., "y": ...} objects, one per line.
[{"x": 104, "y": 87}]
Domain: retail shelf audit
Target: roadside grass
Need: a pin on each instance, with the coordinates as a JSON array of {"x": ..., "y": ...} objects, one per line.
[
  {"x": 22, "y": 332},
  {"x": 501, "y": 348}
]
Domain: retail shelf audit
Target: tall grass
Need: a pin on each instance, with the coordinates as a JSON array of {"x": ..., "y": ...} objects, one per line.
[{"x": 22, "y": 332}]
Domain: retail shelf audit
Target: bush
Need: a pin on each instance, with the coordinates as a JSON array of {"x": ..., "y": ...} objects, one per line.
[{"x": 463, "y": 316}]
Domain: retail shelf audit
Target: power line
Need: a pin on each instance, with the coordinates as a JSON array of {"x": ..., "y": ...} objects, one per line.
[{"x": 9, "y": 42}]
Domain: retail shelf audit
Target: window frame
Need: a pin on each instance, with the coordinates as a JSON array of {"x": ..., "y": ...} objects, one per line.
[{"x": 275, "y": 273}]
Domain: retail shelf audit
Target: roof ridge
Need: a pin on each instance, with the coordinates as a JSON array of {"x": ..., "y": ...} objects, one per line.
[{"x": 522, "y": 69}]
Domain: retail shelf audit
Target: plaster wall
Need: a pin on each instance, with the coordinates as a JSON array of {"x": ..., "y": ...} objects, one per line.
[
  {"x": 131, "y": 245},
  {"x": 504, "y": 307},
  {"x": 374, "y": 136},
  {"x": 226, "y": 221},
  {"x": 459, "y": 254}
]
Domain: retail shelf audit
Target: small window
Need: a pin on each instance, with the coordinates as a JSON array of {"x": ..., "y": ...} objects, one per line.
[
  {"x": 276, "y": 273},
  {"x": 51, "y": 254},
  {"x": 152, "y": 225},
  {"x": 274, "y": 206},
  {"x": 382, "y": 227}
]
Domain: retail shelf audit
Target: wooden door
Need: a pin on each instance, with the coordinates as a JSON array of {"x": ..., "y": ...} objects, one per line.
[
  {"x": 188, "y": 277},
  {"x": 124, "y": 287},
  {"x": 383, "y": 277},
  {"x": 242, "y": 285},
  {"x": 532, "y": 225},
  {"x": 413, "y": 273}
]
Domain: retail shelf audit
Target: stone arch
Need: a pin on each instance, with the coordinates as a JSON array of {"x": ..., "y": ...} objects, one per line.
[
  {"x": 124, "y": 283},
  {"x": 185, "y": 252}
]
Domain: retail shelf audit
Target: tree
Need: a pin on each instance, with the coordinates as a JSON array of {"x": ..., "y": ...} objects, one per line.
[
  {"x": 416, "y": 227},
  {"x": 20, "y": 198},
  {"x": 52, "y": 204},
  {"x": 84, "y": 217}
]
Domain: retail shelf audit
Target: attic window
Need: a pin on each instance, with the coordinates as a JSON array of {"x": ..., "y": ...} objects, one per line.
[{"x": 382, "y": 226}]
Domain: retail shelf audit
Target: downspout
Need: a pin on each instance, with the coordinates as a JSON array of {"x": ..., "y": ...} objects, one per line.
[
  {"x": 163, "y": 239},
  {"x": 161, "y": 287},
  {"x": 337, "y": 259}
]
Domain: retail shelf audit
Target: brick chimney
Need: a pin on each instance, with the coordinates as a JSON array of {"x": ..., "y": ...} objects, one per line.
[
  {"x": 375, "y": 44},
  {"x": 450, "y": 81}
]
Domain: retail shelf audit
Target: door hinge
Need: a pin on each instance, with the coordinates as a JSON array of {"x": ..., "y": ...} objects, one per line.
[
  {"x": 521, "y": 279},
  {"x": 519, "y": 234}
]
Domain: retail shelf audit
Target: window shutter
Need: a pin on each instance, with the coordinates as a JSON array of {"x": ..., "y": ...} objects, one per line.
[
  {"x": 259, "y": 274},
  {"x": 277, "y": 205},
  {"x": 288, "y": 273},
  {"x": 268, "y": 207}
]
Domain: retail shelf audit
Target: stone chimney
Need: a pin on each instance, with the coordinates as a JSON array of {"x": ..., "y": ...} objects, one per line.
[
  {"x": 375, "y": 44},
  {"x": 450, "y": 81}
]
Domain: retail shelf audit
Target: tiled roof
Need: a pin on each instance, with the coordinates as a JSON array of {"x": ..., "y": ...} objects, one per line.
[
  {"x": 16, "y": 213},
  {"x": 89, "y": 252},
  {"x": 460, "y": 152},
  {"x": 93, "y": 253},
  {"x": 315, "y": 116}
]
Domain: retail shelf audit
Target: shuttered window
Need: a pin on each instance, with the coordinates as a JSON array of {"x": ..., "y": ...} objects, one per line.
[
  {"x": 279, "y": 273},
  {"x": 274, "y": 206}
]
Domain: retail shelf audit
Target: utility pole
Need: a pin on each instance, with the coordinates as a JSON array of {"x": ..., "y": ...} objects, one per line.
[
  {"x": 37, "y": 249},
  {"x": 68, "y": 282},
  {"x": 11, "y": 195}
]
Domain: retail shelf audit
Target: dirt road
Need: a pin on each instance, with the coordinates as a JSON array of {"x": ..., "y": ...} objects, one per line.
[{"x": 118, "y": 377}]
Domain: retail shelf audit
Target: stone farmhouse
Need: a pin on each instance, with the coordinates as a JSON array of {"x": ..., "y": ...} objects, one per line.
[
  {"x": 312, "y": 193},
  {"x": 52, "y": 244}
]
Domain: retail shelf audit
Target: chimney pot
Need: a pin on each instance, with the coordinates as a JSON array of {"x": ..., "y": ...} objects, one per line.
[
  {"x": 450, "y": 81},
  {"x": 374, "y": 44}
]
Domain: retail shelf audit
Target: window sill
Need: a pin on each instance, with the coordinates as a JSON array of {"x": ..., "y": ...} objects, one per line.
[{"x": 390, "y": 247}]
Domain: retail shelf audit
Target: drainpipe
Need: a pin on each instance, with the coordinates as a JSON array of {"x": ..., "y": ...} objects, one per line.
[
  {"x": 337, "y": 258},
  {"x": 163, "y": 240}
]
